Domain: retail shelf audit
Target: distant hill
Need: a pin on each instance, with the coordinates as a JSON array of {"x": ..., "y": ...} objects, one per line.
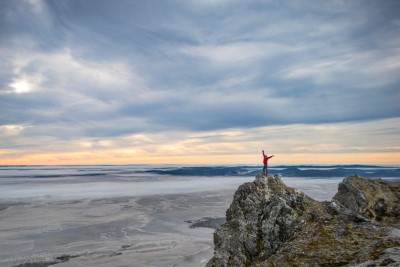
[{"x": 288, "y": 171}]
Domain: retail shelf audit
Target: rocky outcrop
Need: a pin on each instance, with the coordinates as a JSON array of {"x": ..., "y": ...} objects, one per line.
[
  {"x": 373, "y": 198},
  {"x": 270, "y": 224}
]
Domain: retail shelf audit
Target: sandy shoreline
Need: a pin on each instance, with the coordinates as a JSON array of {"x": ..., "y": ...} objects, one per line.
[{"x": 125, "y": 231}]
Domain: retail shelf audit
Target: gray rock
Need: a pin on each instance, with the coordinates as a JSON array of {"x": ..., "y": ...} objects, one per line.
[
  {"x": 373, "y": 198},
  {"x": 270, "y": 224},
  {"x": 263, "y": 215}
]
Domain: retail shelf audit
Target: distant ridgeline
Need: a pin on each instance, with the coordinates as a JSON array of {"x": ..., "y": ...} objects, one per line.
[{"x": 288, "y": 171}]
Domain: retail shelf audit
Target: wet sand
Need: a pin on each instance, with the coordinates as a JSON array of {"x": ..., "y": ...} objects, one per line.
[
  {"x": 118, "y": 218},
  {"x": 125, "y": 231}
]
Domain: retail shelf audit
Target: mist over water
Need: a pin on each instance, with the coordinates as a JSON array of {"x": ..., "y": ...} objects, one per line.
[
  {"x": 118, "y": 188},
  {"x": 103, "y": 181}
]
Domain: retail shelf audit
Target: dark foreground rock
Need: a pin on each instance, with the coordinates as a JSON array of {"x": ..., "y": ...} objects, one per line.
[{"x": 270, "y": 224}]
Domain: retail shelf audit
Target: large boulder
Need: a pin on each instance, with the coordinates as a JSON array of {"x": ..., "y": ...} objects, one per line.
[{"x": 373, "y": 198}]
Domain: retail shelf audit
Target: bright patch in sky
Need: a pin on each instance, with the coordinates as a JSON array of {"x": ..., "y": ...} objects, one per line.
[
  {"x": 10, "y": 129},
  {"x": 21, "y": 86}
]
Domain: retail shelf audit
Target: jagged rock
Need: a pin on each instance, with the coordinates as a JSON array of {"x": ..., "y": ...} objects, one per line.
[
  {"x": 270, "y": 224},
  {"x": 373, "y": 198}
]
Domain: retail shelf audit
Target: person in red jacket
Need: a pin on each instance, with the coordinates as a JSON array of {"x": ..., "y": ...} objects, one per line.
[{"x": 265, "y": 161}]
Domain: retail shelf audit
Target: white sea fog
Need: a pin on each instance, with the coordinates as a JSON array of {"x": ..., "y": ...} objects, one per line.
[{"x": 117, "y": 215}]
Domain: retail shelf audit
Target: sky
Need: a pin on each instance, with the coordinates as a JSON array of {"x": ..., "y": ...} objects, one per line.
[{"x": 199, "y": 82}]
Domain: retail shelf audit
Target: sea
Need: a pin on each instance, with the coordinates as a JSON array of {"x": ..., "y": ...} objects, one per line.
[{"x": 26, "y": 183}]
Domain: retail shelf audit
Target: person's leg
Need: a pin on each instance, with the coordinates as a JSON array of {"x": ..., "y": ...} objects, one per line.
[{"x": 265, "y": 169}]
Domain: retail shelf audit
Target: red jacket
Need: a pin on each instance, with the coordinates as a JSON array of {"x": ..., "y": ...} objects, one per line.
[{"x": 265, "y": 161}]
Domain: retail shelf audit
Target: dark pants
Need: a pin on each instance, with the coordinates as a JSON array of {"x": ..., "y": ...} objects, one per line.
[{"x": 265, "y": 170}]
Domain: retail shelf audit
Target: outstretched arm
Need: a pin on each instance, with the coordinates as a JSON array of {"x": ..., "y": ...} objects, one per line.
[
  {"x": 263, "y": 153},
  {"x": 271, "y": 156}
]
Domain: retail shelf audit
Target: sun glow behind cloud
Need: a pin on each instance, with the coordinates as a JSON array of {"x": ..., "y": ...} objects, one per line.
[{"x": 21, "y": 86}]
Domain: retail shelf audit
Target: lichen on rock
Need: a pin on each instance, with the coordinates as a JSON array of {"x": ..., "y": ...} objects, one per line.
[{"x": 270, "y": 224}]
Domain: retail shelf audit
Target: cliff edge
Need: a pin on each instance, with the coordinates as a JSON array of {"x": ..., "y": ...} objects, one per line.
[{"x": 270, "y": 224}]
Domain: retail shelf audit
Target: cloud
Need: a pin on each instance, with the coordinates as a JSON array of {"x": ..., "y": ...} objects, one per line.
[
  {"x": 10, "y": 129},
  {"x": 62, "y": 69},
  {"x": 299, "y": 141},
  {"x": 235, "y": 53},
  {"x": 76, "y": 71},
  {"x": 62, "y": 80}
]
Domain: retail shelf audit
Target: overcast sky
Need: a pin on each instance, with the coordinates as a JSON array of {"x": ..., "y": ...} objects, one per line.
[{"x": 202, "y": 81}]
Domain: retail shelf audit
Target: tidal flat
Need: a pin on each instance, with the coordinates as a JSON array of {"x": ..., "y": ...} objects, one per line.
[
  {"x": 126, "y": 231},
  {"x": 117, "y": 217}
]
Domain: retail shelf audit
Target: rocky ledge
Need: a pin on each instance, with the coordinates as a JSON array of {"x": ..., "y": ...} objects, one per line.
[{"x": 270, "y": 224}]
